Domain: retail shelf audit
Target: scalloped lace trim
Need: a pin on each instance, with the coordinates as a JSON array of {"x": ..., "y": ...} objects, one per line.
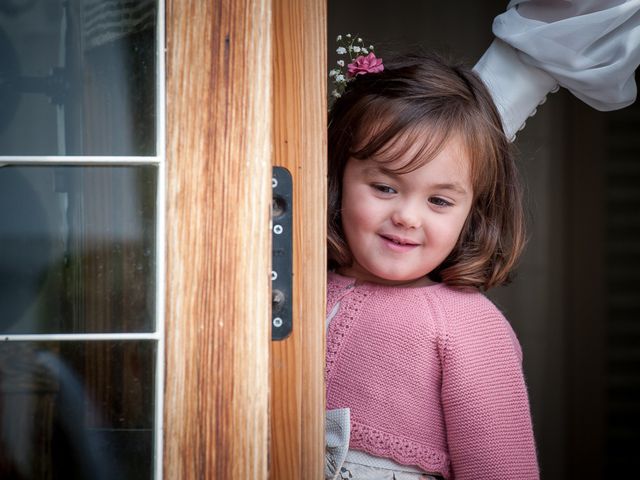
[
  {"x": 399, "y": 449},
  {"x": 350, "y": 307},
  {"x": 333, "y": 292}
]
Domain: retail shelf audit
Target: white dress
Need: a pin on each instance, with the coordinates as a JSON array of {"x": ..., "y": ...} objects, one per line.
[{"x": 590, "y": 47}]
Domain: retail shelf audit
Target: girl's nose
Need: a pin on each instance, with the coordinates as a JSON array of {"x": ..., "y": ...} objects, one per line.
[{"x": 406, "y": 215}]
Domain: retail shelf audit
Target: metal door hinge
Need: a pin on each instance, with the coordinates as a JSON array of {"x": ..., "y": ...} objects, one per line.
[{"x": 281, "y": 254}]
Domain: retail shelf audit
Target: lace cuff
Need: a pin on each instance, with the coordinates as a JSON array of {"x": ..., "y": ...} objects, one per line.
[{"x": 516, "y": 87}]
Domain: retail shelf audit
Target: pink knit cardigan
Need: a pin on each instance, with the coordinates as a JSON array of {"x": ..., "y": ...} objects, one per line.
[{"x": 432, "y": 377}]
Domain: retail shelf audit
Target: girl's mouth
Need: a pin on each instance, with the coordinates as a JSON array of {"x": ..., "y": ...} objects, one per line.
[{"x": 398, "y": 244}]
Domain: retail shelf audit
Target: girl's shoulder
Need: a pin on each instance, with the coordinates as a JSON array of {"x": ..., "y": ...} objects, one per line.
[
  {"x": 450, "y": 304},
  {"x": 467, "y": 315},
  {"x": 464, "y": 302}
]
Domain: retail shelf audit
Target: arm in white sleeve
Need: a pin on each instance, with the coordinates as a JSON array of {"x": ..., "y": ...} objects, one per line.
[
  {"x": 591, "y": 47},
  {"x": 516, "y": 87}
]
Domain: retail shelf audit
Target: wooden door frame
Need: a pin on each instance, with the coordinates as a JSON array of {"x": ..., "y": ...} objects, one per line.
[
  {"x": 219, "y": 142},
  {"x": 300, "y": 145},
  {"x": 231, "y": 115}
]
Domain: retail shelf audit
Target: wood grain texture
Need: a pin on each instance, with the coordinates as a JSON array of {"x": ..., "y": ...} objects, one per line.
[
  {"x": 297, "y": 363},
  {"x": 219, "y": 147}
]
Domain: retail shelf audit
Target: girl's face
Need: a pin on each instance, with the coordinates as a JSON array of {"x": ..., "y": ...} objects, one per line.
[{"x": 400, "y": 227}]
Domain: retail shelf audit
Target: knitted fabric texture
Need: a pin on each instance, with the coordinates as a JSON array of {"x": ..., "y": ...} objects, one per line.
[{"x": 432, "y": 377}]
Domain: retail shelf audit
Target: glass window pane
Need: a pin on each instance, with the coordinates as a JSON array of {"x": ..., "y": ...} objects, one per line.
[
  {"x": 77, "y": 249},
  {"x": 78, "y": 77},
  {"x": 81, "y": 410}
]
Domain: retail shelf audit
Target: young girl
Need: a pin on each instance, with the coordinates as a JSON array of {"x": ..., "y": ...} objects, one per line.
[{"x": 423, "y": 373}]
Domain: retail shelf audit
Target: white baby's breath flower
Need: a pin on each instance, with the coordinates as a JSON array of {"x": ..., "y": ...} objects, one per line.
[{"x": 355, "y": 47}]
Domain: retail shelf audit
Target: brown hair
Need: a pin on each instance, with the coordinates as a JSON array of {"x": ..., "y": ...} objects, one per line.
[{"x": 424, "y": 100}]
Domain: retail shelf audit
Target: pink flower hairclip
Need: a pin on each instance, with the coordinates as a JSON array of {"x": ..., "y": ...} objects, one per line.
[
  {"x": 362, "y": 65},
  {"x": 362, "y": 61}
]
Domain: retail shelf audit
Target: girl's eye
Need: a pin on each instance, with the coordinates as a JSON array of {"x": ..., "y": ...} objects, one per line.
[
  {"x": 440, "y": 202},
  {"x": 383, "y": 188}
]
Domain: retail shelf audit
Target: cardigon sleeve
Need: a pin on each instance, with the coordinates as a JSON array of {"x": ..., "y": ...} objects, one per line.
[{"x": 484, "y": 395}]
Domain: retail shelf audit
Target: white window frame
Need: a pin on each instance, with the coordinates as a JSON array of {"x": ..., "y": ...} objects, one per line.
[{"x": 159, "y": 160}]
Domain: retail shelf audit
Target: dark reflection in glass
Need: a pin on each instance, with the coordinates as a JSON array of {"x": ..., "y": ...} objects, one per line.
[
  {"x": 78, "y": 77},
  {"x": 77, "y": 410},
  {"x": 77, "y": 249}
]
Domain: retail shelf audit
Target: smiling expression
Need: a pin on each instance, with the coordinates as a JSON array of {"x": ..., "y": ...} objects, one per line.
[{"x": 401, "y": 226}]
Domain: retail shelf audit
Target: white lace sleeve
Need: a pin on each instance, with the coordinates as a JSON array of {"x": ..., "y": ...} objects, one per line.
[{"x": 590, "y": 47}]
